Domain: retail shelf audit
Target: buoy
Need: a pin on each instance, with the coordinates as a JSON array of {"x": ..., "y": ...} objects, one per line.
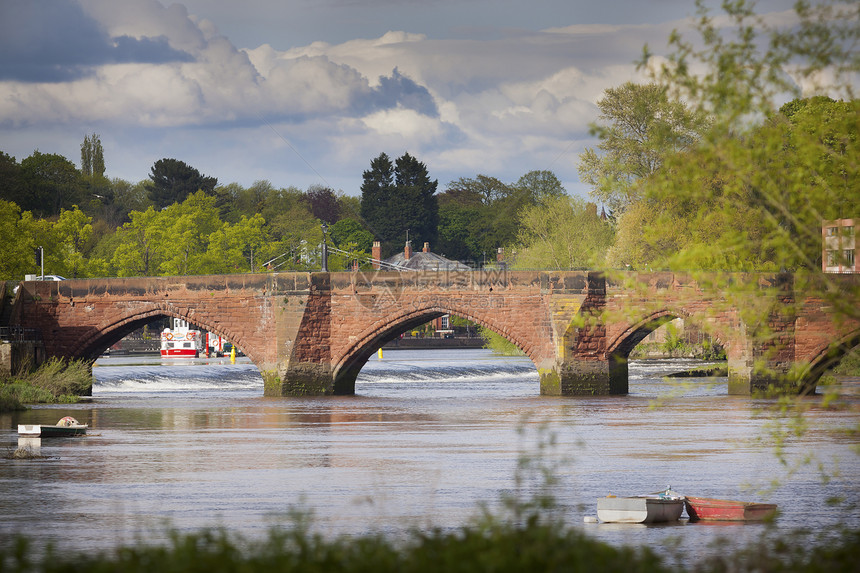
[{"x": 379, "y": 353}]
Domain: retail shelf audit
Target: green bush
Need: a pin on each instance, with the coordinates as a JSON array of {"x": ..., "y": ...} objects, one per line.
[
  {"x": 499, "y": 548},
  {"x": 55, "y": 381}
]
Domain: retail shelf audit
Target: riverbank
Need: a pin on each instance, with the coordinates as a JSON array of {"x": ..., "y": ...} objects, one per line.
[{"x": 54, "y": 382}]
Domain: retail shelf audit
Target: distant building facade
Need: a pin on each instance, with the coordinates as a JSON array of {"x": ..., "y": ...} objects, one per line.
[{"x": 839, "y": 246}]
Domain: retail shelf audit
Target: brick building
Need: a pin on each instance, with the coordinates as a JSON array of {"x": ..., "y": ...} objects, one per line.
[{"x": 839, "y": 246}]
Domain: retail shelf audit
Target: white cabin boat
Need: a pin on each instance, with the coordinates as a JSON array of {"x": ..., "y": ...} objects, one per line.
[
  {"x": 640, "y": 509},
  {"x": 181, "y": 341}
]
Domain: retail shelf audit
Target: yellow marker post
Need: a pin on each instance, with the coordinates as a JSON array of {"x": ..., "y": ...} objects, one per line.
[
  {"x": 233, "y": 355},
  {"x": 379, "y": 353}
]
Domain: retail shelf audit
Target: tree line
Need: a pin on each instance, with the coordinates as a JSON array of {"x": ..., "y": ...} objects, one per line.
[
  {"x": 704, "y": 171},
  {"x": 179, "y": 221}
]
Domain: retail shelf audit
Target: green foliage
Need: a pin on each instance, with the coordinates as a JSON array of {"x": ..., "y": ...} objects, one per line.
[
  {"x": 641, "y": 126},
  {"x": 92, "y": 157},
  {"x": 17, "y": 259},
  {"x": 72, "y": 230},
  {"x": 479, "y": 215},
  {"x": 55, "y": 381},
  {"x": 174, "y": 180},
  {"x": 540, "y": 187},
  {"x": 51, "y": 183},
  {"x": 562, "y": 233},
  {"x": 397, "y": 199},
  {"x": 498, "y": 343}
]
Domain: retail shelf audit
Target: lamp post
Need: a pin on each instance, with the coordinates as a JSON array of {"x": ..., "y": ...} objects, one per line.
[{"x": 324, "y": 248}]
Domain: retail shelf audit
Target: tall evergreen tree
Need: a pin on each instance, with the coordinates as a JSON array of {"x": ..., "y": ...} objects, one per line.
[
  {"x": 399, "y": 199},
  {"x": 174, "y": 180},
  {"x": 377, "y": 191}
]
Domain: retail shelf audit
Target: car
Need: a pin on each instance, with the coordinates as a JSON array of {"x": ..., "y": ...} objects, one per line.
[{"x": 40, "y": 278}]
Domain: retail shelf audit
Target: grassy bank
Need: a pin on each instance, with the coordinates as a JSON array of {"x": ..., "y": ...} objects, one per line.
[
  {"x": 55, "y": 381},
  {"x": 499, "y": 344}
]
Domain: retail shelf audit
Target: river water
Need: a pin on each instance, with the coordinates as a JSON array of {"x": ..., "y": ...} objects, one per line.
[{"x": 429, "y": 436}]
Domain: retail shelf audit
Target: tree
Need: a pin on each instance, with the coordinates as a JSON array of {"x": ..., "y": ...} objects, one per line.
[
  {"x": 139, "y": 250},
  {"x": 399, "y": 199},
  {"x": 418, "y": 194},
  {"x": 562, "y": 233},
  {"x": 173, "y": 181},
  {"x": 72, "y": 230},
  {"x": 351, "y": 231},
  {"x": 540, "y": 186},
  {"x": 51, "y": 183},
  {"x": 12, "y": 187},
  {"x": 92, "y": 157},
  {"x": 236, "y": 247},
  {"x": 641, "y": 126},
  {"x": 17, "y": 259},
  {"x": 323, "y": 203}
]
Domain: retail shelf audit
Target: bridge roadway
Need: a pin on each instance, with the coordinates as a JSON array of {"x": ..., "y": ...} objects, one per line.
[{"x": 311, "y": 333}]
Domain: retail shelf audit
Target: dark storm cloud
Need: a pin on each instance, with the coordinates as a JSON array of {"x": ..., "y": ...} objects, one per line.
[
  {"x": 55, "y": 41},
  {"x": 405, "y": 92}
]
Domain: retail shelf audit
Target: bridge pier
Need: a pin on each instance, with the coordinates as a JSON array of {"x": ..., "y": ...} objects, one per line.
[
  {"x": 303, "y": 380},
  {"x": 591, "y": 378}
]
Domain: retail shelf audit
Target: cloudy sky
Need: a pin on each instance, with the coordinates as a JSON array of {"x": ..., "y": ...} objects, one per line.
[{"x": 302, "y": 92}]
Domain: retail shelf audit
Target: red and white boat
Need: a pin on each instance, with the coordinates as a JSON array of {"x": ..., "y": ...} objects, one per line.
[
  {"x": 709, "y": 509},
  {"x": 181, "y": 341}
]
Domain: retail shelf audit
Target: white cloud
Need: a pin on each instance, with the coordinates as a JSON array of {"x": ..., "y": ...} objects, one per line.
[{"x": 499, "y": 104}]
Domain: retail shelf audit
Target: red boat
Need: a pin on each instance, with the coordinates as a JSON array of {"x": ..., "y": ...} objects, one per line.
[{"x": 708, "y": 509}]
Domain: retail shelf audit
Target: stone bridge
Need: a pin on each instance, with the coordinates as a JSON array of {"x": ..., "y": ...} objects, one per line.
[{"x": 311, "y": 333}]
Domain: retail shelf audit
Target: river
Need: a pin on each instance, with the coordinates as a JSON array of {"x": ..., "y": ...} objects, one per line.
[{"x": 429, "y": 436}]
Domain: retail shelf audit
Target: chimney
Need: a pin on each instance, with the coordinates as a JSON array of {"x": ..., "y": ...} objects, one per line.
[
  {"x": 407, "y": 251},
  {"x": 426, "y": 248},
  {"x": 376, "y": 254}
]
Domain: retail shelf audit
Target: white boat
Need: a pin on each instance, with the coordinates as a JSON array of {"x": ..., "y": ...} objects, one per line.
[
  {"x": 655, "y": 508},
  {"x": 181, "y": 341},
  {"x": 67, "y": 426}
]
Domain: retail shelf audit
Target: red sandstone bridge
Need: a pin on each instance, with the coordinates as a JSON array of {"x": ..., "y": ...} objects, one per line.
[{"x": 311, "y": 333}]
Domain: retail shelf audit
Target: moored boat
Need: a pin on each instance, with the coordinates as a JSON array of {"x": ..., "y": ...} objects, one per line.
[
  {"x": 710, "y": 509},
  {"x": 181, "y": 341},
  {"x": 67, "y": 426},
  {"x": 661, "y": 508}
]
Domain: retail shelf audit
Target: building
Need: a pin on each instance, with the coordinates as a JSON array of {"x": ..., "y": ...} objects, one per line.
[
  {"x": 839, "y": 246},
  {"x": 423, "y": 260}
]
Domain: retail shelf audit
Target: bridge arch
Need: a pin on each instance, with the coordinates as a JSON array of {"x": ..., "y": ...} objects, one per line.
[
  {"x": 108, "y": 333},
  {"x": 347, "y": 366},
  {"x": 825, "y": 357},
  {"x": 622, "y": 344}
]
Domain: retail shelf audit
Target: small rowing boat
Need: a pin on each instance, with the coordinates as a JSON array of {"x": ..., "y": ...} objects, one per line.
[
  {"x": 709, "y": 509},
  {"x": 67, "y": 426}
]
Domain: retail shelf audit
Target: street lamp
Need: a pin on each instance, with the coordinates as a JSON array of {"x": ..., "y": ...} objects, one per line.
[{"x": 324, "y": 248}]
